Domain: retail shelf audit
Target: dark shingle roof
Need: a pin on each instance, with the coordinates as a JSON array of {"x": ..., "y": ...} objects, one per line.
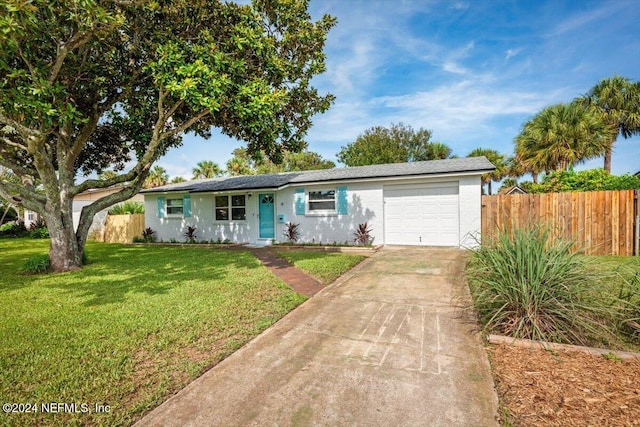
[{"x": 273, "y": 181}]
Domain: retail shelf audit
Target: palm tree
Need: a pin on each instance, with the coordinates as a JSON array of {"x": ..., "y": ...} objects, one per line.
[
  {"x": 177, "y": 180},
  {"x": 560, "y": 136},
  {"x": 157, "y": 176},
  {"x": 206, "y": 169},
  {"x": 498, "y": 160},
  {"x": 617, "y": 101},
  {"x": 439, "y": 151},
  {"x": 524, "y": 161},
  {"x": 239, "y": 166}
]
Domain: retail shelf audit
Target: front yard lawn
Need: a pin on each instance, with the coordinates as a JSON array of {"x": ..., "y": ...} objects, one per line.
[
  {"x": 324, "y": 266},
  {"x": 131, "y": 328}
]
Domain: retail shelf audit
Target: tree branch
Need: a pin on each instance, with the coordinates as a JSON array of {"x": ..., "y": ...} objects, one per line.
[
  {"x": 63, "y": 50},
  {"x": 89, "y": 211},
  {"x": 104, "y": 183},
  {"x": 20, "y": 128},
  {"x": 14, "y": 144},
  {"x": 186, "y": 125},
  {"x": 16, "y": 194},
  {"x": 18, "y": 170},
  {"x": 24, "y": 59},
  {"x": 82, "y": 138}
]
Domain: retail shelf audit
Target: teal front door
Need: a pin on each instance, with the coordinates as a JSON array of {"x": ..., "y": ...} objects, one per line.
[{"x": 266, "y": 212}]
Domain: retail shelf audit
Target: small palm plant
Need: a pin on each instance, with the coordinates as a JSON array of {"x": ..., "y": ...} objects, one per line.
[
  {"x": 190, "y": 234},
  {"x": 292, "y": 232},
  {"x": 363, "y": 234},
  {"x": 148, "y": 235}
]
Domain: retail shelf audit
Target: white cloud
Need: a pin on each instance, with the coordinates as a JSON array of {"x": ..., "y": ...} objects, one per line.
[
  {"x": 511, "y": 53},
  {"x": 579, "y": 20},
  {"x": 460, "y": 5}
]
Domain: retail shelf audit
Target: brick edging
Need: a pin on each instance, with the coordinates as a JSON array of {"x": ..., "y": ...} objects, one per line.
[{"x": 520, "y": 342}]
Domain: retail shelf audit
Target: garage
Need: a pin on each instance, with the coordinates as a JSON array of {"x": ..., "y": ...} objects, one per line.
[{"x": 425, "y": 214}]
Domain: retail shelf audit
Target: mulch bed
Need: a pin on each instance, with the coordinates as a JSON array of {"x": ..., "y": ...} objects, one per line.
[{"x": 565, "y": 388}]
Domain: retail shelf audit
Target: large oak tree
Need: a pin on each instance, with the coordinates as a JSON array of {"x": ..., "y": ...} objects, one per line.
[{"x": 92, "y": 85}]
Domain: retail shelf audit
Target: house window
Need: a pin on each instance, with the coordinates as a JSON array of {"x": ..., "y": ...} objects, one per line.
[
  {"x": 31, "y": 216},
  {"x": 322, "y": 200},
  {"x": 230, "y": 207},
  {"x": 175, "y": 206}
]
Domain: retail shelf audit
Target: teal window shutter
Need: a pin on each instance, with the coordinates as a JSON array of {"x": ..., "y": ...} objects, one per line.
[
  {"x": 160, "y": 207},
  {"x": 186, "y": 205},
  {"x": 300, "y": 202},
  {"x": 343, "y": 204}
]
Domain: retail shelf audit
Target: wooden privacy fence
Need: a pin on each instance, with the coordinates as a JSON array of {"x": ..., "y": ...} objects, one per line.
[
  {"x": 123, "y": 228},
  {"x": 600, "y": 222}
]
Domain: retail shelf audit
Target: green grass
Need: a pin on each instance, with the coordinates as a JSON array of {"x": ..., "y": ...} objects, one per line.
[
  {"x": 620, "y": 288},
  {"x": 324, "y": 266},
  {"x": 132, "y": 327}
]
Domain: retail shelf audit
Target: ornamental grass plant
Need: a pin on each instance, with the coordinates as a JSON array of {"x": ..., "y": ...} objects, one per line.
[{"x": 526, "y": 284}]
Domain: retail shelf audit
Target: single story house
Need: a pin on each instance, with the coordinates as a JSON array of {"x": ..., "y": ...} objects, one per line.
[{"x": 430, "y": 203}]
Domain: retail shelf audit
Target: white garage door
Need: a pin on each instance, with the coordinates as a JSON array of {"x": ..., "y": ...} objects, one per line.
[{"x": 421, "y": 215}]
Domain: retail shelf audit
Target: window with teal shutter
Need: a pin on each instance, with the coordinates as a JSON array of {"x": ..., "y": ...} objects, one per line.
[
  {"x": 300, "y": 202},
  {"x": 160, "y": 207},
  {"x": 343, "y": 203},
  {"x": 186, "y": 203}
]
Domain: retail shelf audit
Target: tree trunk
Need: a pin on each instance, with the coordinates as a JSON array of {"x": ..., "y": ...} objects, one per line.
[
  {"x": 534, "y": 176},
  {"x": 489, "y": 187},
  {"x": 607, "y": 159},
  {"x": 64, "y": 252}
]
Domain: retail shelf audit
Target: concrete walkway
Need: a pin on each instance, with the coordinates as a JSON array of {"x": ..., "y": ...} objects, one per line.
[{"x": 385, "y": 345}]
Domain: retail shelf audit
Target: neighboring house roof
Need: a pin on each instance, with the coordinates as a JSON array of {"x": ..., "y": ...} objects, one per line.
[
  {"x": 514, "y": 189},
  {"x": 278, "y": 180},
  {"x": 98, "y": 193},
  {"x": 637, "y": 173}
]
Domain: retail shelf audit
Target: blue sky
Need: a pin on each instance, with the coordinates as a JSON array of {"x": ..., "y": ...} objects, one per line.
[{"x": 470, "y": 71}]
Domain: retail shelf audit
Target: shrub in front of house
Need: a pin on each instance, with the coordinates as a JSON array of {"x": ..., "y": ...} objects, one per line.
[
  {"x": 529, "y": 285},
  {"x": 292, "y": 232},
  {"x": 148, "y": 236},
  {"x": 39, "y": 230},
  {"x": 13, "y": 229},
  {"x": 362, "y": 235},
  {"x": 190, "y": 234}
]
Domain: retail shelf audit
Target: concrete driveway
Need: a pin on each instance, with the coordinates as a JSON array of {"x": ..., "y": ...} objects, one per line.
[{"x": 387, "y": 344}]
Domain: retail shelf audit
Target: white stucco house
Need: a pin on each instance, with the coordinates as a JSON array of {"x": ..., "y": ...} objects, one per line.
[{"x": 431, "y": 203}]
